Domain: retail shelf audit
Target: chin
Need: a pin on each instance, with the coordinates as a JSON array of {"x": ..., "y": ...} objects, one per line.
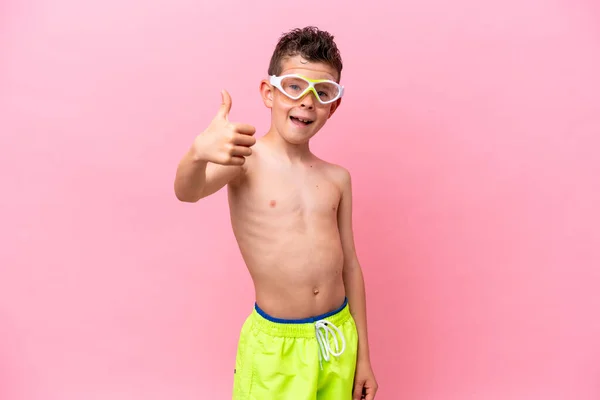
[{"x": 297, "y": 139}]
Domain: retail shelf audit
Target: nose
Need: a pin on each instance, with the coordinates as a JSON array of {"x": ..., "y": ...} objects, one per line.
[{"x": 308, "y": 101}]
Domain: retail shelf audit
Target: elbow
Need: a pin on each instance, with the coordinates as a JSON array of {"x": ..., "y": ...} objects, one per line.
[
  {"x": 352, "y": 266},
  {"x": 186, "y": 197}
]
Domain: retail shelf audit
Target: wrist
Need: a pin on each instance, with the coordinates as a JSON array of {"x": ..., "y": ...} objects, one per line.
[{"x": 363, "y": 356}]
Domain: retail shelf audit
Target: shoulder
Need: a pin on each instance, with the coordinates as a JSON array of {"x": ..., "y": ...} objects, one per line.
[{"x": 338, "y": 174}]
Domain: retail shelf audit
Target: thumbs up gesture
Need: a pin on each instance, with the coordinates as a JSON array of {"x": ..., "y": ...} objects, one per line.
[{"x": 224, "y": 142}]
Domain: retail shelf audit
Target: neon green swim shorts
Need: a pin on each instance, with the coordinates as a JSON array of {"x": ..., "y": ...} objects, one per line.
[{"x": 307, "y": 359}]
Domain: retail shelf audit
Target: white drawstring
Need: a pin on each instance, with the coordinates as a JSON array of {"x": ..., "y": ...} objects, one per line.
[{"x": 323, "y": 329}]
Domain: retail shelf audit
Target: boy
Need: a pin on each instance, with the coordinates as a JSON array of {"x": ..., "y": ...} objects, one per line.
[{"x": 291, "y": 214}]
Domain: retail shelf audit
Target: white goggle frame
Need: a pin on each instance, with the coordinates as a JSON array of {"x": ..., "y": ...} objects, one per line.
[{"x": 276, "y": 81}]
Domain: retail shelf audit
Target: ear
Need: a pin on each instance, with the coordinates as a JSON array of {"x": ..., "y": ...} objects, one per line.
[
  {"x": 334, "y": 106},
  {"x": 267, "y": 93}
]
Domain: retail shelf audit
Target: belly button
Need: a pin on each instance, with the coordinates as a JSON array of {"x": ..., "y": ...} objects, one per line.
[{"x": 316, "y": 291}]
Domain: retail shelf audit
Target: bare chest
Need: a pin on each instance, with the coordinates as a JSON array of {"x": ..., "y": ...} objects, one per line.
[{"x": 292, "y": 193}]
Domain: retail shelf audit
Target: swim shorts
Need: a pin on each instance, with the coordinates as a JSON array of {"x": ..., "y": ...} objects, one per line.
[{"x": 307, "y": 359}]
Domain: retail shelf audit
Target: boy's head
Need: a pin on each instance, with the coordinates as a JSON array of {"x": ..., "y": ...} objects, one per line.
[
  {"x": 312, "y": 45},
  {"x": 303, "y": 88}
]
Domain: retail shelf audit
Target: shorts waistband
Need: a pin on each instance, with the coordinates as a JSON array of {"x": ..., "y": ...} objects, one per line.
[{"x": 298, "y": 327}]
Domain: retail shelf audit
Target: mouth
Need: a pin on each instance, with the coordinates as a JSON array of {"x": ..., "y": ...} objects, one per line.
[{"x": 301, "y": 121}]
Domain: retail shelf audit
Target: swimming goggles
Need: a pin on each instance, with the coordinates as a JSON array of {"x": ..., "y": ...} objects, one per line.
[{"x": 296, "y": 86}]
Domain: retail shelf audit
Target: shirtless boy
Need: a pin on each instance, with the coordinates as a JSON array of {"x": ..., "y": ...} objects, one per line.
[{"x": 291, "y": 213}]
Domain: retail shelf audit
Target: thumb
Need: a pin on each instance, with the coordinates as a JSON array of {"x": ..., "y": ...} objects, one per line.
[
  {"x": 358, "y": 391},
  {"x": 225, "y": 104}
]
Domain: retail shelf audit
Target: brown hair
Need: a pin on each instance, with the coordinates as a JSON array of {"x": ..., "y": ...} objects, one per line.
[{"x": 311, "y": 44}]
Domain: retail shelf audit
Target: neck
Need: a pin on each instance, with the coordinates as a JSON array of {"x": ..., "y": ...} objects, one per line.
[{"x": 294, "y": 153}]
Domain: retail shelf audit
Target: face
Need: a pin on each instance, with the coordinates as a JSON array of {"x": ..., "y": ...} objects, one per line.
[{"x": 297, "y": 121}]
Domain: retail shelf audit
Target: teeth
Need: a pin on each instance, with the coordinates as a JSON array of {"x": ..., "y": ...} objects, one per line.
[{"x": 303, "y": 120}]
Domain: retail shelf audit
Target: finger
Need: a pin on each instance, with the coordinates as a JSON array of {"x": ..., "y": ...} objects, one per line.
[
  {"x": 225, "y": 105},
  {"x": 358, "y": 389},
  {"x": 241, "y": 151},
  {"x": 244, "y": 140},
  {"x": 370, "y": 393},
  {"x": 236, "y": 160},
  {"x": 244, "y": 129}
]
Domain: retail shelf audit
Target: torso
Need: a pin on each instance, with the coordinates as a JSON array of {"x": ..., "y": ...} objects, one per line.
[{"x": 284, "y": 218}]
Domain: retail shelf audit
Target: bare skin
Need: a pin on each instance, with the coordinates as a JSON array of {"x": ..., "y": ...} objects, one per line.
[
  {"x": 291, "y": 212},
  {"x": 284, "y": 216}
]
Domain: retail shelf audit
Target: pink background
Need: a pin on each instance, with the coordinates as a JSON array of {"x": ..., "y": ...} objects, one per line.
[{"x": 472, "y": 132}]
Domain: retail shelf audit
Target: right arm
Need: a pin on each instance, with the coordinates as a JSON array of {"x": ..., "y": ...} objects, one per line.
[
  {"x": 196, "y": 179},
  {"x": 216, "y": 158}
]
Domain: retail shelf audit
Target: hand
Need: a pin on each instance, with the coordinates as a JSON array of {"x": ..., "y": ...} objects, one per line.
[
  {"x": 224, "y": 142},
  {"x": 365, "y": 385}
]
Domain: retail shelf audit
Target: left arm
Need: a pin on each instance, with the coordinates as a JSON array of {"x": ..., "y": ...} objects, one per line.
[{"x": 355, "y": 291}]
